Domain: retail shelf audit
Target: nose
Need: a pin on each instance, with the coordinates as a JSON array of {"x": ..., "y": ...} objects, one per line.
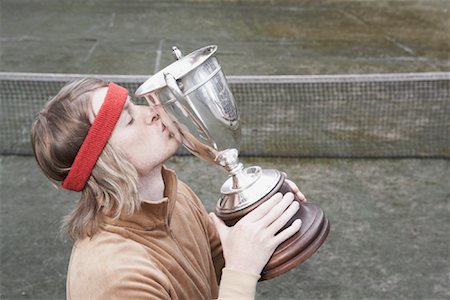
[{"x": 151, "y": 116}]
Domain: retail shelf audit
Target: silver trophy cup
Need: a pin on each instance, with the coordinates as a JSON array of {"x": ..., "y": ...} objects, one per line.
[{"x": 193, "y": 99}]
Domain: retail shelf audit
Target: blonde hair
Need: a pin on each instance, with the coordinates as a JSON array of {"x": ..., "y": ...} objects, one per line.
[{"x": 57, "y": 135}]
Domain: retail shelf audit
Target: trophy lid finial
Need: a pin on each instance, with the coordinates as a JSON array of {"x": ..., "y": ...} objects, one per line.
[{"x": 177, "y": 52}]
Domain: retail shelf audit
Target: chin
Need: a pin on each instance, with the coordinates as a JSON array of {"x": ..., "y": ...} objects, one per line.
[{"x": 173, "y": 147}]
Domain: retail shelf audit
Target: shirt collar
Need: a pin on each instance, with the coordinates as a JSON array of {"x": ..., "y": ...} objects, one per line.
[{"x": 153, "y": 213}]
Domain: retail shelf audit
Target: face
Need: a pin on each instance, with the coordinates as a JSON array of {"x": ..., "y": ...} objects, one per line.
[{"x": 140, "y": 134}]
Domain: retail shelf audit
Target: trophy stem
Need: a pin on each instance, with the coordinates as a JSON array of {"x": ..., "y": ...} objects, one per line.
[
  {"x": 229, "y": 160},
  {"x": 245, "y": 185},
  {"x": 240, "y": 178}
]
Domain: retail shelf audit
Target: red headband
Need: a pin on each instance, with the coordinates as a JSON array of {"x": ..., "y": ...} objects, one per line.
[{"x": 96, "y": 139}]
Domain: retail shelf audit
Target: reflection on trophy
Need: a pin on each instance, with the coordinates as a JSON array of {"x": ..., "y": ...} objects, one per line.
[{"x": 192, "y": 95}]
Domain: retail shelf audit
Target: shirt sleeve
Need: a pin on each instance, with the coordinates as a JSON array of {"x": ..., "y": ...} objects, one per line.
[
  {"x": 237, "y": 285},
  {"x": 213, "y": 235}
]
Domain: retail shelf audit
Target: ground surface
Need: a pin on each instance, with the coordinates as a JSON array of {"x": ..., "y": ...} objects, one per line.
[
  {"x": 254, "y": 37},
  {"x": 389, "y": 228}
]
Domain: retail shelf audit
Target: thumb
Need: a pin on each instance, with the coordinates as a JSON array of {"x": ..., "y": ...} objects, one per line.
[{"x": 220, "y": 225}]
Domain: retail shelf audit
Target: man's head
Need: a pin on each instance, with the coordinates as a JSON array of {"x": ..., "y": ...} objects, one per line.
[{"x": 61, "y": 130}]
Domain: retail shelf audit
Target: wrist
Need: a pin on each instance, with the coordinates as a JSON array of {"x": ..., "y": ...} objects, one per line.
[
  {"x": 237, "y": 285},
  {"x": 243, "y": 267}
]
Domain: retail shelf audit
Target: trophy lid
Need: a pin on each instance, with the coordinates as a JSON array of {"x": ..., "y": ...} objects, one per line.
[{"x": 177, "y": 69}]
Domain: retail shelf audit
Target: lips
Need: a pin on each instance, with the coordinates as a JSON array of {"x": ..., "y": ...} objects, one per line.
[{"x": 165, "y": 129}]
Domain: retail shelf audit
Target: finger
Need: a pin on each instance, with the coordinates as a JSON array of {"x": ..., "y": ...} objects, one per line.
[
  {"x": 264, "y": 208},
  {"x": 294, "y": 188},
  {"x": 288, "y": 232},
  {"x": 285, "y": 217},
  {"x": 277, "y": 211}
]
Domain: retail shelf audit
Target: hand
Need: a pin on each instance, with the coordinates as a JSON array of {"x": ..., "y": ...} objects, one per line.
[
  {"x": 249, "y": 244},
  {"x": 295, "y": 189}
]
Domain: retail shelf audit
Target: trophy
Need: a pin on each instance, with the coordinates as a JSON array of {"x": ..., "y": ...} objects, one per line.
[{"x": 193, "y": 99}]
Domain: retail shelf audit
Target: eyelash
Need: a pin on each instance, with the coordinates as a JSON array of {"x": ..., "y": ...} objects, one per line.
[{"x": 131, "y": 121}]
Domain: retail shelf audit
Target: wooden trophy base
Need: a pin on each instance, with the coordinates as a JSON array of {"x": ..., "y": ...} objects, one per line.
[{"x": 299, "y": 247}]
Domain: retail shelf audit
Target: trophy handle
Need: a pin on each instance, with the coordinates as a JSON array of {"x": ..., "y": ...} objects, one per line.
[{"x": 194, "y": 115}]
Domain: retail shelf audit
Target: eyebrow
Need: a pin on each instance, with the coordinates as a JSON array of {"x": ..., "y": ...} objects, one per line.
[
  {"x": 126, "y": 109},
  {"x": 127, "y": 106}
]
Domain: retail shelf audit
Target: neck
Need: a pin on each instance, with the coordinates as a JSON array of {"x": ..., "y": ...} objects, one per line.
[{"x": 151, "y": 186}]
